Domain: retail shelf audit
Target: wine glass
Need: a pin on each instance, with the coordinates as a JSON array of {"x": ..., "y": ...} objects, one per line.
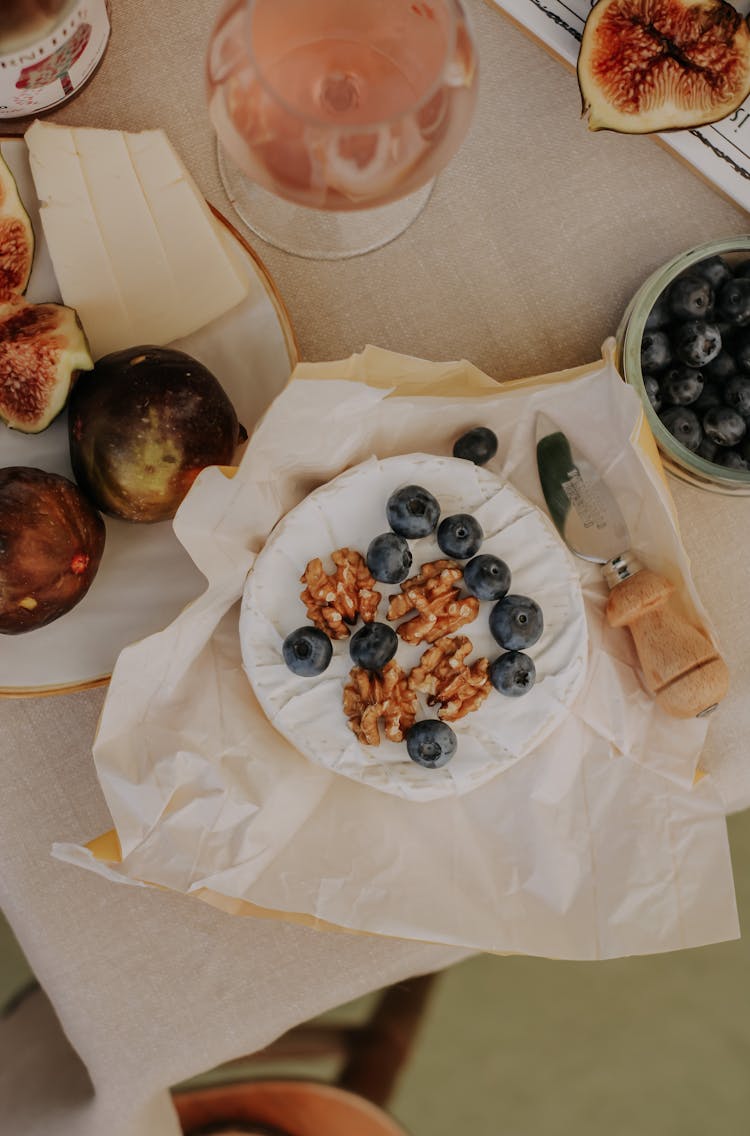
[{"x": 334, "y": 116}]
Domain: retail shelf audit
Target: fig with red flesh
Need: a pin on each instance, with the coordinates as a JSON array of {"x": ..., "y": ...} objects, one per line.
[
  {"x": 42, "y": 351},
  {"x": 16, "y": 239},
  {"x": 51, "y": 545},
  {"x": 659, "y": 65},
  {"x": 142, "y": 425}
]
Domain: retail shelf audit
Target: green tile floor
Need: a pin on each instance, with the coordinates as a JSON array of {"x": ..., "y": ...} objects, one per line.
[{"x": 655, "y": 1046}]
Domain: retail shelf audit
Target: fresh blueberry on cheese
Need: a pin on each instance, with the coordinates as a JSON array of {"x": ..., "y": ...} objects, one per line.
[
  {"x": 513, "y": 673},
  {"x": 460, "y": 536},
  {"x": 487, "y": 577},
  {"x": 431, "y": 743},
  {"x": 412, "y": 512},
  {"x": 516, "y": 622},
  {"x": 307, "y": 651},
  {"x": 373, "y": 646},
  {"x": 389, "y": 558},
  {"x": 478, "y": 445}
]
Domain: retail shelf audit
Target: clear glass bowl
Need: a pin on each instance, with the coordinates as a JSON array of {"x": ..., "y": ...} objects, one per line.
[{"x": 677, "y": 459}]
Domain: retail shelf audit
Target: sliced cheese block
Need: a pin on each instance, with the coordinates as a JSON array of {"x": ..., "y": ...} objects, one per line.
[{"x": 135, "y": 248}]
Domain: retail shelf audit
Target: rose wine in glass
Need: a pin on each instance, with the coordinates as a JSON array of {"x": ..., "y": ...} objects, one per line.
[{"x": 334, "y": 116}]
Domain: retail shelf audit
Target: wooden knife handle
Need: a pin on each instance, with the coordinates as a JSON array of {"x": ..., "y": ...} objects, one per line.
[{"x": 681, "y": 667}]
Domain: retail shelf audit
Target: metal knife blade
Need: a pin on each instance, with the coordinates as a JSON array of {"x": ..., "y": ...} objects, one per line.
[{"x": 581, "y": 505}]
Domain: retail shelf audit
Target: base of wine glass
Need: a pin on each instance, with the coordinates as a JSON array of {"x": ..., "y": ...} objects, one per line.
[{"x": 315, "y": 233}]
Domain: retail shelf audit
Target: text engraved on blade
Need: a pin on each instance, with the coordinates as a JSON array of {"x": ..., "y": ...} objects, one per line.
[{"x": 583, "y": 499}]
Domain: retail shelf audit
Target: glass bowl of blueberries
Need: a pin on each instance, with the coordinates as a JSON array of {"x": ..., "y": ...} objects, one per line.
[{"x": 684, "y": 345}]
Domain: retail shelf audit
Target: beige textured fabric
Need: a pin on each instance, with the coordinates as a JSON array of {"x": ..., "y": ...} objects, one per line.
[{"x": 534, "y": 240}]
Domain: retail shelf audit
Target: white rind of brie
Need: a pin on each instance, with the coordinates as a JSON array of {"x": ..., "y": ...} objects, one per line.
[{"x": 349, "y": 512}]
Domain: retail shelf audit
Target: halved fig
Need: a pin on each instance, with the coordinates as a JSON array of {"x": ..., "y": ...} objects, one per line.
[
  {"x": 658, "y": 65},
  {"x": 16, "y": 239},
  {"x": 42, "y": 351},
  {"x": 51, "y": 544}
]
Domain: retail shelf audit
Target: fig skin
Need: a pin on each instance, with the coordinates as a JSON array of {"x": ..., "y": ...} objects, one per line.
[
  {"x": 51, "y": 544},
  {"x": 142, "y": 425},
  {"x": 647, "y": 66}
]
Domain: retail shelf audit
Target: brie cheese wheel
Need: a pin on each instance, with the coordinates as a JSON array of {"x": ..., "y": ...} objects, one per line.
[{"x": 349, "y": 512}]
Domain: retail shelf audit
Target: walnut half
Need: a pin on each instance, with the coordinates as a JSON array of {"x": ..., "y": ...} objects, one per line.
[
  {"x": 436, "y": 598},
  {"x": 370, "y": 696},
  {"x": 334, "y": 601},
  {"x": 449, "y": 681}
]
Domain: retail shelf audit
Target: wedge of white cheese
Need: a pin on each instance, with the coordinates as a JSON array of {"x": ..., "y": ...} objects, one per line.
[
  {"x": 135, "y": 248},
  {"x": 347, "y": 513}
]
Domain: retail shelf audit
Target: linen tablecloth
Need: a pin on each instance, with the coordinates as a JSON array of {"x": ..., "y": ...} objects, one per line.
[{"x": 534, "y": 240}]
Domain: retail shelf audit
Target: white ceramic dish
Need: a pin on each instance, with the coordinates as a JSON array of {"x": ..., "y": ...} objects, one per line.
[
  {"x": 146, "y": 577},
  {"x": 348, "y": 512}
]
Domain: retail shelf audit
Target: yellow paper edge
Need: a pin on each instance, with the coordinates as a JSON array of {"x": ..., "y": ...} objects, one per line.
[{"x": 106, "y": 848}]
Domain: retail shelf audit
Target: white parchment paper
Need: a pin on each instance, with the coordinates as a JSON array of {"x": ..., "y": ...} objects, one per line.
[{"x": 599, "y": 843}]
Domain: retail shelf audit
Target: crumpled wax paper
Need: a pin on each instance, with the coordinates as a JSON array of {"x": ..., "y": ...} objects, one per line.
[{"x": 602, "y": 842}]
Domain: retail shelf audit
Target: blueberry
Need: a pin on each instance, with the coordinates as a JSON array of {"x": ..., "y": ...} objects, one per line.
[
  {"x": 307, "y": 651},
  {"x": 707, "y": 449},
  {"x": 742, "y": 269},
  {"x": 730, "y": 459},
  {"x": 684, "y": 425},
  {"x": 487, "y": 577},
  {"x": 516, "y": 622},
  {"x": 513, "y": 673},
  {"x": 653, "y": 391},
  {"x": 656, "y": 353},
  {"x": 742, "y": 352},
  {"x": 696, "y": 342},
  {"x": 690, "y": 297},
  {"x": 373, "y": 646},
  {"x": 431, "y": 743},
  {"x": 389, "y": 558},
  {"x": 733, "y": 301},
  {"x": 659, "y": 315},
  {"x": 460, "y": 536},
  {"x": 714, "y": 269},
  {"x": 724, "y": 426},
  {"x": 737, "y": 394},
  {"x": 478, "y": 445},
  {"x": 682, "y": 385},
  {"x": 709, "y": 396},
  {"x": 721, "y": 366},
  {"x": 412, "y": 512}
]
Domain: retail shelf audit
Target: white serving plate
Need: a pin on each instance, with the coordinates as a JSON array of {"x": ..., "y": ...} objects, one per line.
[
  {"x": 348, "y": 512},
  {"x": 146, "y": 577}
]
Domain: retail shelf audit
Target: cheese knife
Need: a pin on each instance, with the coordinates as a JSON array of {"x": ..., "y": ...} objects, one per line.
[{"x": 681, "y": 667}]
